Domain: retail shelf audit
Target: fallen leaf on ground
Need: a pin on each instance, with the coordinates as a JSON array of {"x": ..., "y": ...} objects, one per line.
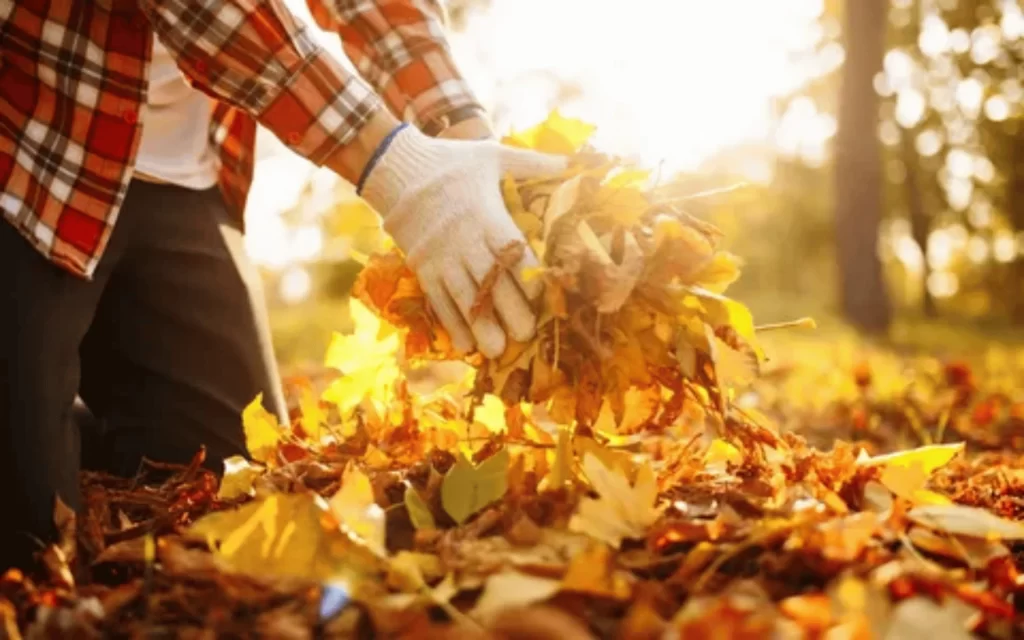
[
  {"x": 467, "y": 488},
  {"x": 621, "y": 511}
]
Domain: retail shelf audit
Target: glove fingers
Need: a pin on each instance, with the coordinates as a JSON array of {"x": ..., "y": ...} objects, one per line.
[
  {"x": 505, "y": 234},
  {"x": 443, "y": 305},
  {"x": 509, "y": 302},
  {"x": 490, "y": 337},
  {"x": 524, "y": 163},
  {"x": 513, "y": 309}
]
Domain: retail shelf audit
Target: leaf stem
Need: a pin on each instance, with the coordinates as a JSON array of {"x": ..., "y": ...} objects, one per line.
[{"x": 801, "y": 323}]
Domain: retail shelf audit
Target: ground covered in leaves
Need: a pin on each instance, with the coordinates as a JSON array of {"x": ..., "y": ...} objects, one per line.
[{"x": 645, "y": 467}]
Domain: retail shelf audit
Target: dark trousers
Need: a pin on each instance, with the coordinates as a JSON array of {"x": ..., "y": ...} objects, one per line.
[{"x": 165, "y": 346}]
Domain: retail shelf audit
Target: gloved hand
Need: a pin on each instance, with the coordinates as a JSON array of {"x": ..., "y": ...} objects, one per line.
[{"x": 441, "y": 203}]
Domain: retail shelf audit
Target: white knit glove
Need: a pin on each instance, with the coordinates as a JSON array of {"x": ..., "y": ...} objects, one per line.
[{"x": 441, "y": 203}]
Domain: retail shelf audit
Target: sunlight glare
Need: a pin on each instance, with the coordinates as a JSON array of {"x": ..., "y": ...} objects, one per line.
[
  {"x": 943, "y": 284},
  {"x": 676, "y": 83},
  {"x": 997, "y": 108},
  {"x": 1004, "y": 247},
  {"x": 940, "y": 249},
  {"x": 296, "y": 285},
  {"x": 969, "y": 94},
  {"x": 910, "y": 107}
]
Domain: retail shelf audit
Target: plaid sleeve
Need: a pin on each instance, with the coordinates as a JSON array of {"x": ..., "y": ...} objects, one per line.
[
  {"x": 259, "y": 58},
  {"x": 400, "y": 47}
]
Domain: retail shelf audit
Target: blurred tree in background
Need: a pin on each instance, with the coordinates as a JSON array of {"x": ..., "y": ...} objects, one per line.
[{"x": 858, "y": 169}]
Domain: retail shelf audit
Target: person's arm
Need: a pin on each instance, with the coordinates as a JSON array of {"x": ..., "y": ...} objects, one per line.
[
  {"x": 260, "y": 58},
  {"x": 400, "y": 48},
  {"x": 439, "y": 199}
]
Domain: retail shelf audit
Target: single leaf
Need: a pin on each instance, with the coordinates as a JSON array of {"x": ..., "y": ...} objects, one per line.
[
  {"x": 280, "y": 535},
  {"x": 908, "y": 482},
  {"x": 372, "y": 343},
  {"x": 726, "y": 312},
  {"x": 619, "y": 279},
  {"x": 561, "y": 472},
  {"x": 721, "y": 453},
  {"x": 722, "y": 270},
  {"x": 313, "y": 416},
  {"x": 419, "y": 512},
  {"x": 467, "y": 489},
  {"x": 975, "y": 552},
  {"x": 491, "y": 414},
  {"x": 961, "y": 520},
  {"x": 557, "y": 134},
  {"x": 262, "y": 431},
  {"x": 512, "y": 589},
  {"x": 929, "y": 458},
  {"x": 561, "y": 202},
  {"x": 622, "y": 511},
  {"x": 238, "y": 479},
  {"x": 354, "y": 508}
]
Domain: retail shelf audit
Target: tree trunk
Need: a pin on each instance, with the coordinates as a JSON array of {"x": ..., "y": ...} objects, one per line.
[
  {"x": 1015, "y": 205},
  {"x": 858, "y": 166},
  {"x": 920, "y": 223}
]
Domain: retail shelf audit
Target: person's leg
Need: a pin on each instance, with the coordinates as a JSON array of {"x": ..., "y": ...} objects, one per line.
[
  {"x": 181, "y": 342},
  {"x": 44, "y": 314}
]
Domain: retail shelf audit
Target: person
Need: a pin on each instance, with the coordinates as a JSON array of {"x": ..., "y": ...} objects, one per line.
[{"x": 127, "y": 132}]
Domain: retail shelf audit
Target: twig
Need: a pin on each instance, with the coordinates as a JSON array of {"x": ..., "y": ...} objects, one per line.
[{"x": 801, "y": 323}]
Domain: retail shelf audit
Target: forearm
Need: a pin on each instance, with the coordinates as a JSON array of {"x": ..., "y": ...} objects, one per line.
[
  {"x": 350, "y": 160},
  {"x": 400, "y": 48},
  {"x": 259, "y": 58}
]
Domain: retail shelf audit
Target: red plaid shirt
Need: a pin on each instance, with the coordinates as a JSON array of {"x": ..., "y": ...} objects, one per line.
[{"x": 73, "y": 82}]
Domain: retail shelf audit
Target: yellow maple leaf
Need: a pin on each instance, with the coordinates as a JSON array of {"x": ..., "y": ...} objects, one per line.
[
  {"x": 355, "y": 509},
  {"x": 280, "y": 535},
  {"x": 621, "y": 511},
  {"x": 371, "y": 343},
  {"x": 557, "y": 134},
  {"x": 367, "y": 357},
  {"x": 262, "y": 431}
]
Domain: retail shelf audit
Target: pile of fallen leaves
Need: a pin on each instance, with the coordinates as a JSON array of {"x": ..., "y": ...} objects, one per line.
[
  {"x": 633, "y": 311},
  {"x": 605, "y": 480}
]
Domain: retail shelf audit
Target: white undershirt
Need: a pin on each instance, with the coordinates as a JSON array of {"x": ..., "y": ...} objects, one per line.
[{"x": 175, "y": 144}]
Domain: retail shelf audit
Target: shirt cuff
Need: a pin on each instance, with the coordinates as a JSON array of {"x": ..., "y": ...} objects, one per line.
[
  {"x": 312, "y": 116},
  {"x": 432, "y": 87}
]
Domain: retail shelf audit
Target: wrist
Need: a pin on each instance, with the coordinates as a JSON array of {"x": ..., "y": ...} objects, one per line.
[
  {"x": 475, "y": 128},
  {"x": 470, "y": 117},
  {"x": 403, "y": 165},
  {"x": 350, "y": 161},
  {"x": 381, "y": 149}
]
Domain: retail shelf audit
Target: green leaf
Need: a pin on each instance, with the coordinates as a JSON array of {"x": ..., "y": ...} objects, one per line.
[
  {"x": 467, "y": 489},
  {"x": 419, "y": 512}
]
